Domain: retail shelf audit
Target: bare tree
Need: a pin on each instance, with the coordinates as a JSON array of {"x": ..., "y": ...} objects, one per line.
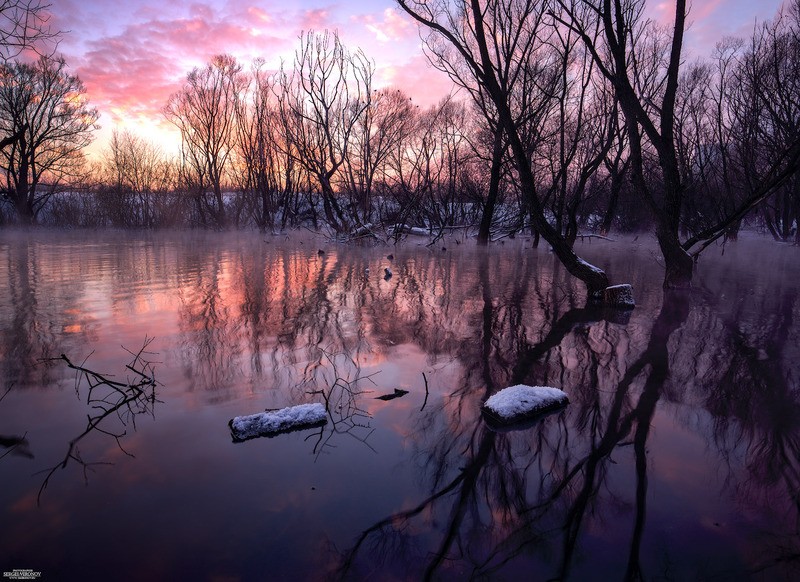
[
  {"x": 204, "y": 111},
  {"x": 47, "y": 108},
  {"x": 428, "y": 168},
  {"x": 643, "y": 66},
  {"x": 615, "y": 167},
  {"x": 258, "y": 123},
  {"x": 386, "y": 123},
  {"x": 321, "y": 103},
  {"x": 580, "y": 132},
  {"x": 24, "y": 24},
  {"x": 642, "y": 61},
  {"x": 489, "y": 46},
  {"x": 757, "y": 123},
  {"x": 137, "y": 172}
]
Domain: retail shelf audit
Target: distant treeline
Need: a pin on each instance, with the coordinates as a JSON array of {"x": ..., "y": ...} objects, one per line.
[{"x": 546, "y": 126}]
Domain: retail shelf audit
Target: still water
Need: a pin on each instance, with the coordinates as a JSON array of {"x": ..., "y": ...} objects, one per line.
[{"x": 678, "y": 457}]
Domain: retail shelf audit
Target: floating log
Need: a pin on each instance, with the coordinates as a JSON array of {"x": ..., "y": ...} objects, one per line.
[
  {"x": 396, "y": 394},
  {"x": 274, "y": 422}
]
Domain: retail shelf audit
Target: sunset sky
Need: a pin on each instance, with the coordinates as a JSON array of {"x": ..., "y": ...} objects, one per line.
[{"x": 132, "y": 54}]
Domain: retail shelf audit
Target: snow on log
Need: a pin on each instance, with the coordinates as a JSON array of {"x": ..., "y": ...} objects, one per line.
[
  {"x": 415, "y": 230},
  {"x": 275, "y": 422},
  {"x": 521, "y": 402},
  {"x": 616, "y": 296},
  {"x": 363, "y": 230}
]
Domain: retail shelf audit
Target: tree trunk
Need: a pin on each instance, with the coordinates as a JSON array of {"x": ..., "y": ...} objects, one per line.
[
  {"x": 22, "y": 194},
  {"x": 494, "y": 188},
  {"x": 613, "y": 201},
  {"x": 678, "y": 264}
]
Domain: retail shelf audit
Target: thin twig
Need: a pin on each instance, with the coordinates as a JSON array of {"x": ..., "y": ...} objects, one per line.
[{"x": 424, "y": 377}]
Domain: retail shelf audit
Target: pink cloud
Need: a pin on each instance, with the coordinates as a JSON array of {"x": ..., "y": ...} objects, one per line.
[
  {"x": 392, "y": 27},
  {"x": 259, "y": 14},
  {"x": 134, "y": 56},
  {"x": 702, "y": 10},
  {"x": 420, "y": 81},
  {"x": 316, "y": 19},
  {"x": 135, "y": 72},
  {"x": 709, "y": 21}
]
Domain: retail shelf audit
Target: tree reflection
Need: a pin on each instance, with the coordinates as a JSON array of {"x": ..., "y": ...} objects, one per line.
[
  {"x": 24, "y": 339},
  {"x": 494, "y": 498},
  {"x": 13, "y": 444},
  {"x": 343, "y": 379},
  {"x": 750, "y": 389},
  {"x": 270, "y": 317},
  {"x": 109, "y": 400},
  {"x": 475, "y": 472},
  {"x": 515, "y": 496}
]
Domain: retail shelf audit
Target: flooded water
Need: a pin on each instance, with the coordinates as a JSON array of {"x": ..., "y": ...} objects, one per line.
[{"x": 678, "y": 457}]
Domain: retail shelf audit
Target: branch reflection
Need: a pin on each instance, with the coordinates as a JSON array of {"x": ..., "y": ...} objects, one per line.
[
  {"x": 109, "y": 401},
  {"x": 497, "y": 497}
]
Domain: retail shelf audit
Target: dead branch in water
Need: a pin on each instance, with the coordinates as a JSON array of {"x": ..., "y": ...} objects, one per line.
[{"x": 109, "y": 398}]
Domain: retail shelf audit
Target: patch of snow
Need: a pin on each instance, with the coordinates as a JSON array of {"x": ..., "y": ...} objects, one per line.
[
  {"x": 415, "y": 230},
  {"x": 277, "y": 421},
  {"x": 363, "y": 230},
  {"x": 590, "y": 266},
  {"x": 523, "y": 401}
]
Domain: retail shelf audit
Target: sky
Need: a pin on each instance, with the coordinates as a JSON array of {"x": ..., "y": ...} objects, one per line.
[{"x": 133, "y": 54}]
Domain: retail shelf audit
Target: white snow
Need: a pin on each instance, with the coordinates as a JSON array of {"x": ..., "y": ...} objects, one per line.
[
  {"x": 415, "y": 230},
  {"x": 267, "y": 423},
  {"x": 589, "y": 266},
  {"x": 522, "y": 400}
]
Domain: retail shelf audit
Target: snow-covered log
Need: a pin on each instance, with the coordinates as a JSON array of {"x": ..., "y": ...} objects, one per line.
[
  {"x": 275, "y": 422},
  {"x": 415, "y": 230}
]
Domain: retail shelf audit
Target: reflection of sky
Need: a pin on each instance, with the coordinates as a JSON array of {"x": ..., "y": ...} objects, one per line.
[
  {"x": 238, "y": 320},
  {"x": 132, "y": 55}
]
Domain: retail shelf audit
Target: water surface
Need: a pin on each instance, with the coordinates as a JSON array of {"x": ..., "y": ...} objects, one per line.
[{"x": 676, "y": 459}]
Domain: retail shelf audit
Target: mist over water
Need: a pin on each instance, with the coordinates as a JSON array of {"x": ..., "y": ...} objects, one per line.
[{"x": 677, "y": 456}]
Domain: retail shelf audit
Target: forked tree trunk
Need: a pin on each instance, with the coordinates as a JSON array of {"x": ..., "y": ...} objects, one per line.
[{"x": 678, "y": 264}]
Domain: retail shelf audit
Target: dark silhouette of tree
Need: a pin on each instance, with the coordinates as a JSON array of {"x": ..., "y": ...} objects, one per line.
[
  {"x": 755, "y": 149},
  {"x": 138, "y": 176},
  {"x": 491, "y": 46},
  {"x": 204, "y": 111},
  {"x": 642, "y": 62},
  {"x": 385, "y": 126},
  {"x": 321, "y": 102},
  {"x": 46, "y": 107},
  {"x": 24, "y": 25},
  {"x": 266, "y": 173},
  {"x": 644, "y": 71}
]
